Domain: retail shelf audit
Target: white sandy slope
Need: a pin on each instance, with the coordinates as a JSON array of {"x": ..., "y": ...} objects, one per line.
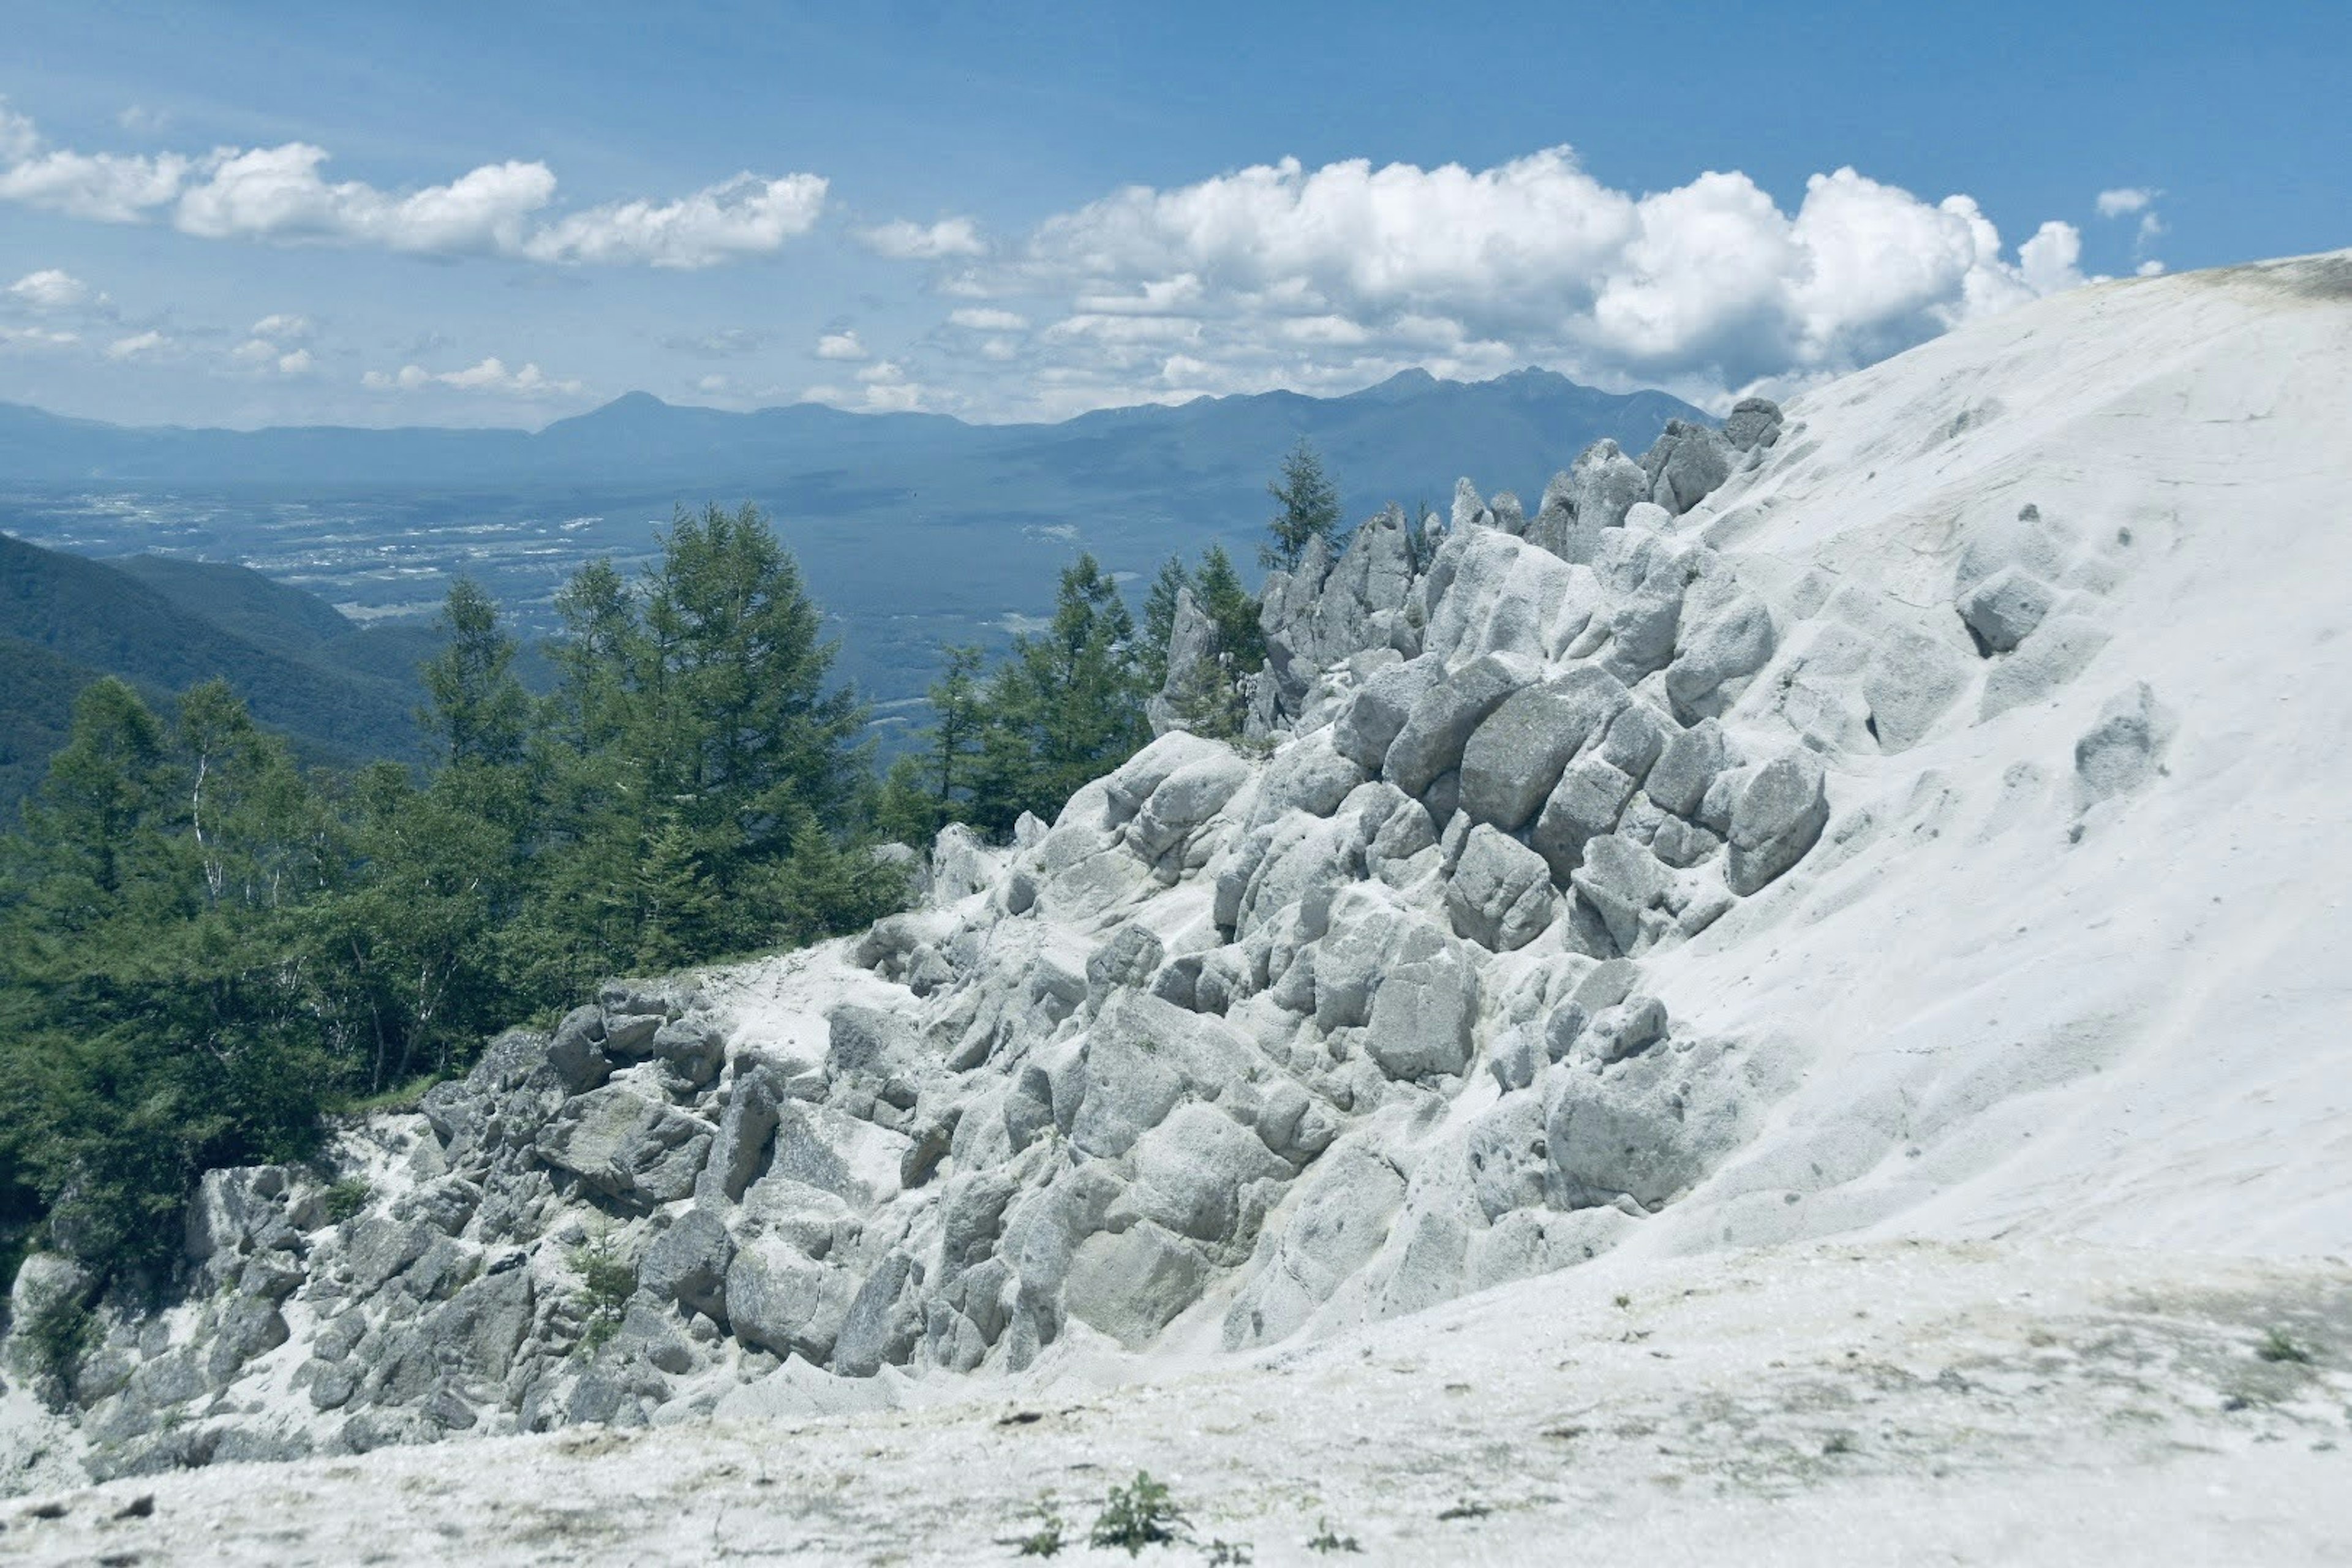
[{"x": 2077, "y": 1108}]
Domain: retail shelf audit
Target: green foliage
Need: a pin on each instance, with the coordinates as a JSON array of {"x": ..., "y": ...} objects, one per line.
[
  {"x": 1310, "y": 511},
  {"x": 2277, "y": 1347},
  {"x": 1137, "y": 1515},
  {"x": 1065, "y": 707},
  {"x": 348, "y": 1198},
  {"x": 203, "y": 948},
  {"x": 69, "y": 620},
  {"x": 1048, "y": 1536},
  {"x": 928, "y": 789},
  {"x": 476, "y": 709},
  {"x": 1208, "y": 695},
  {"x": 607, "y": 1280},
  {"x": 1326, "y": 1539},
  {"x": 57, "y": 1339}
]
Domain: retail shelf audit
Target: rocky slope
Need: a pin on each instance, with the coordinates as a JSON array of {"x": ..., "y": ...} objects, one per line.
[{"x": 1895, "y": 818}]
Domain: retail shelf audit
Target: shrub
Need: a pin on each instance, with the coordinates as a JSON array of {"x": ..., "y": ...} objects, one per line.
[
  {"x": 57, "y": 1337},
  {"x": 607, "y": 1279},
  {"x": 347, "y": 1197},
  {"x": 1137, "y": 1515}
]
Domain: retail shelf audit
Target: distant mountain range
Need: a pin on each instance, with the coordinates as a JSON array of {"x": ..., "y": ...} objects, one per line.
[
  {"x": 915, "y": 530},
  {"x": 1385, "y": 438}
]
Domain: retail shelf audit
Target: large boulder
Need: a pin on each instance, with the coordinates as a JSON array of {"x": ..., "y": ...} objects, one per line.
[
  {"x": 1678, "y": 781},
  {"x": 1500, "y": 895},
  {"x": 1688, "y": 461},
  {"x": 628, "y": 1145},
  {"x": 1622, "y": 881},
  {"x": 687, "y": 1264},
  {"x": 1512, "y": 760},
  {"x": 1130, "y": 1283},
  {"x": 1444, "y": 716},
  {"x": 2002, "y": 610},
  {"x": 1421, "y": 1015},
  {"x": 1586, "y": 803},
  {"x": 1367, "y": 726},
  {"x": 779, "y": 1300},
  {"x": 1191, "y": 1169},
  {"x": 1778, "y": 816}
]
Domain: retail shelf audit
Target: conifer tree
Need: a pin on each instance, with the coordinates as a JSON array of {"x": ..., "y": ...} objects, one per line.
[{"x": 1309, "y": 510}]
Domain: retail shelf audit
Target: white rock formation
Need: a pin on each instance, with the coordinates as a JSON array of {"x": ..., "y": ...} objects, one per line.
[{"x": 1917, "y": 814}]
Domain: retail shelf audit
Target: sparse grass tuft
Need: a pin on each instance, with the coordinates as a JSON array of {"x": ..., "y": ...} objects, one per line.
[
  {"x": 1326, "y": 1539},
  {"x": 1047, "y": 1539},
  {"x": 1137, "y": 1515},
  {"x": 1467, "y": 1508},
  {"x": 347, "y": 1197},
  {"x": 2276, "y": 1347}
]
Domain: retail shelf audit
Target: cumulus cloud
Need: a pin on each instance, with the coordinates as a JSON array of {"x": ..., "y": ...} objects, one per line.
[
  {"x": 1329, "y": 278},
  {"x": 883, "y": 387},
  {"x": 261, "y": 354},
  {"x": 905, "y": 241},
  {"x": 490, "y": 376},
  {"x": 840, "y": 345},
  {"x": 2125, "y": 200},
  {"x": 282, "y": 194},
  {"x": 746, "y": 216},
  {"x": 139, "y": 345},
  {"x": 283, "y": 328},
  {"x": 51, "y": 288}
]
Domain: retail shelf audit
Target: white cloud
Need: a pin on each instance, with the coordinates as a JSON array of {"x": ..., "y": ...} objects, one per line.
[
  {"x": 1328, "y": 278},
  {"x": 280, "y": 194},
  {"x": 490, "y": 376},
  {"x": 883, "y": 387},
  {"x": 139, "y": 118},
  {"x": 38, "y": 337},
  {"x": 50, "y": 288},
  {"x": 905, "y": 241},
  {"x": 746, "y": 216},
  {"x": 260, "y": 353},
  {"x": 2149, "y": 269},
  {"x": 840, "y": 345},
  {"x": 980, "y": 320},
  {"x": 283, "y": 328},
  {"x": 2140, "y": 200},
  {"x": 136, "y": 346}
]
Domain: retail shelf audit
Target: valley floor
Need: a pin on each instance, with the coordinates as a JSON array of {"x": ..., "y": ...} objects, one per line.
[{"x": 1887, "y": 1402}]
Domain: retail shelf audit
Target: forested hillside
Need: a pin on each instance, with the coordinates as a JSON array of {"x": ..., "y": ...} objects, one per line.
[{"x": 274, "y": 646}]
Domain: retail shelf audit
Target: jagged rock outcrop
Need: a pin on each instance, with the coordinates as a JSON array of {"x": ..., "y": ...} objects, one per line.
[{"x": 1249, "y": 1041}]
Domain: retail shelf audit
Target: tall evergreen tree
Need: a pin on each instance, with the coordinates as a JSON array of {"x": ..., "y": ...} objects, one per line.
[
  {"x": 1309, "y": 510},
  {"x": 477, "y": 711},
  {"x": 1065, "y": 707}
]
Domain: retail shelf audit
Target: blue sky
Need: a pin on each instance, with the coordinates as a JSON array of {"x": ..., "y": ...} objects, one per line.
[{"x": 501, "y": 214}]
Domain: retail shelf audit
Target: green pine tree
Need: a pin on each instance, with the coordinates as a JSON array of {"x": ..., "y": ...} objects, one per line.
[{"x": 1310, "y": 511}]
